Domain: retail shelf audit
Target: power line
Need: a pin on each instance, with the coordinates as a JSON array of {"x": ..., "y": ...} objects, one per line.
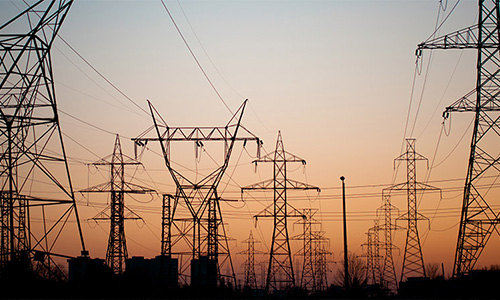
[
  {"x": 204, "y": 51},
  {"x": 102, "y": 76},
  {"x": 194, "y": 57}
]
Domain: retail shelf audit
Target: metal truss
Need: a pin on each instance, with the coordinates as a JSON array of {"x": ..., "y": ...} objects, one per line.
[
  {"x": 249, "y": 265},
  {"x": 117, "y": 253},
  {"x": 373, "y": 269},
  {"x": 314, "y": 251},
  {"x": 388, "y": 271},
  {"x": 320, "y": 251},
  {"x": 308, "y": 277},
  {"x": 203, "y": 231},
  {"x": 413, "y": 261},
  {"x": 280, "y": 275},
  {"x": 34, "y": 173},
  {"x": 478, "y": 217}
]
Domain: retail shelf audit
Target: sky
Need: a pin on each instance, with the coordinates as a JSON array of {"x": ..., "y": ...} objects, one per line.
[{"x": 339, "y": 79}]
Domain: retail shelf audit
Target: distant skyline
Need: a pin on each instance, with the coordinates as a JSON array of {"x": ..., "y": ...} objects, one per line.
[{"x": 336, "y": 77}]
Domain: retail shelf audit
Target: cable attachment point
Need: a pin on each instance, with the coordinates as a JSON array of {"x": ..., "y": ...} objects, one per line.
[{"x": 446, "y": 114}]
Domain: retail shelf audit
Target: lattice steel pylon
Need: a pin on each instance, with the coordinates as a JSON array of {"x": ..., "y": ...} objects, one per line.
[
  {"x": 320, "y": 245},
  {"x": 249, "y": 265},
  {"x": 203, "y": 231},
  {"x": 479, "y": 218},
  {"x": 32, "y": 149},
  {"x": 308, "y": 277},
  {"x": 413, "y": 261},
  {"x": 373, "y": 268},
  {"x": 117, "y": 253},
  {"x": 388, "y": 270},
  {"x": 280, "y": 275}
]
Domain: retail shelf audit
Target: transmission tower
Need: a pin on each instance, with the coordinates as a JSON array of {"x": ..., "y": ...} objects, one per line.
[
  {"x": 250, "y": 277},
  {"x": 32, "y": 149},
  {"x": 388, "y": 275},
  {"x": 203, "y": 232},
  {"x": 280, "y": 274},
  {"x": 117, "y": 187},
  {"x": 479, "y": 218},
  {"x": 373, "y": 270},
  {"x": 320, "y": 252},
  {"x": 413, "y": 261},
  {"x": 308, "y": 277}
]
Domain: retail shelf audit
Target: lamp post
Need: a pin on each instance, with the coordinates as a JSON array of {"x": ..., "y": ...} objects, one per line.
[{"x": 346, "y": 263}]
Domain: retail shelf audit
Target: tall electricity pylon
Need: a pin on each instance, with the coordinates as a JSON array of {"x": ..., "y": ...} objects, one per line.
[
  {"x": 479, "y": 218},
  {"x": 203, "y": 232},
  {"x": 413, "y": 260},
  {"x": 308, "y": 277},
  {"x": 34, "y": 172},
  {"x": 116, "y": 253},
  {"x": 373, "y": 270},
  {"x": 320, "y": 246},
  {"x": 250, "y": 277},
  {"x": 388, "y": 274},
  {"x": 280, "y": 275}
]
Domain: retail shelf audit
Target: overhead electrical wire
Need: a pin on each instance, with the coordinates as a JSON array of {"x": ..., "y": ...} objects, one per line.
[
  {"x": 436, "y": 28},
  {"x": 85, "y": 122},
  {"x": 204, "y": 51},
  {"x": 444, "y": 93},
  {"x": 194, "y": 56},
  {"x": 103, "y": 77},
  {"x": 442, "y": 22},
  {"x": 97, "y": 84}
]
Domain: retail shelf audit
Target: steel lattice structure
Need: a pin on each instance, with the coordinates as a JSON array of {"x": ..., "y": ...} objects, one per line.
[
  {"x": 249, "y": 265},
  {"x": 320, "y": 246},
  {"x": 478, "y": 219},
  {"x": 373, "y": 268},
  {"x": 166, "y": 225},
  {"x": 280, "y": 275},
  {"x": 203, "y": 232},
  {"x": 31, "y": 140},
  {"x": 388, "y": 270},
  {"x": 116, "y": 253},
  {"x": 308, "y": 277},
  {"x": 413, "y": 261}
]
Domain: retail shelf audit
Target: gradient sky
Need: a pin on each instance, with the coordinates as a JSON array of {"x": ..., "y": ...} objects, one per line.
[{"x": 335, "y": 77}]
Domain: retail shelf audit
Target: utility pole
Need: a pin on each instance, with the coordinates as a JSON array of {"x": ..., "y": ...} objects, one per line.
[
  {"x": 203, "y": 231},
  {"x": 117, "y": 253},
  {"x": 344, "y": 221},
  {"x": 29, "y": 123},
  {"x": 280, "y": 275},
  {"x": 479, "y": 217}
]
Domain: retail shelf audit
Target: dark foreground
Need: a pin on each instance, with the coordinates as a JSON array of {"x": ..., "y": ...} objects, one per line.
[{"x": 484, "y": 284}]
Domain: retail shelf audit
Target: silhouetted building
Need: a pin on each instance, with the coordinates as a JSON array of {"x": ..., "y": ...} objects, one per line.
[
  {"x": 161, "y": 269},
  {"x": 84, "y": 269},
  {"x": 204, "y": 272}
]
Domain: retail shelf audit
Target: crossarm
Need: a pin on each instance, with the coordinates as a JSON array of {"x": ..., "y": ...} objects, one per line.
[
  {"x": 466, "y": 38},
  {"x": 291, "y": 184}
]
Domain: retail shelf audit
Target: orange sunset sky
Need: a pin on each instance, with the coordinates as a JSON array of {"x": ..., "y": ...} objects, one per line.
[{"x": 338, "y": 78}]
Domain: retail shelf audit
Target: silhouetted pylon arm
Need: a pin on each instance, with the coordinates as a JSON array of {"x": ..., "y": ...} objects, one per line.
[
  {"x": 466, "y": 38},
  {"x": 128, "y": 187},
  {"x": 291, "y": 184}
]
